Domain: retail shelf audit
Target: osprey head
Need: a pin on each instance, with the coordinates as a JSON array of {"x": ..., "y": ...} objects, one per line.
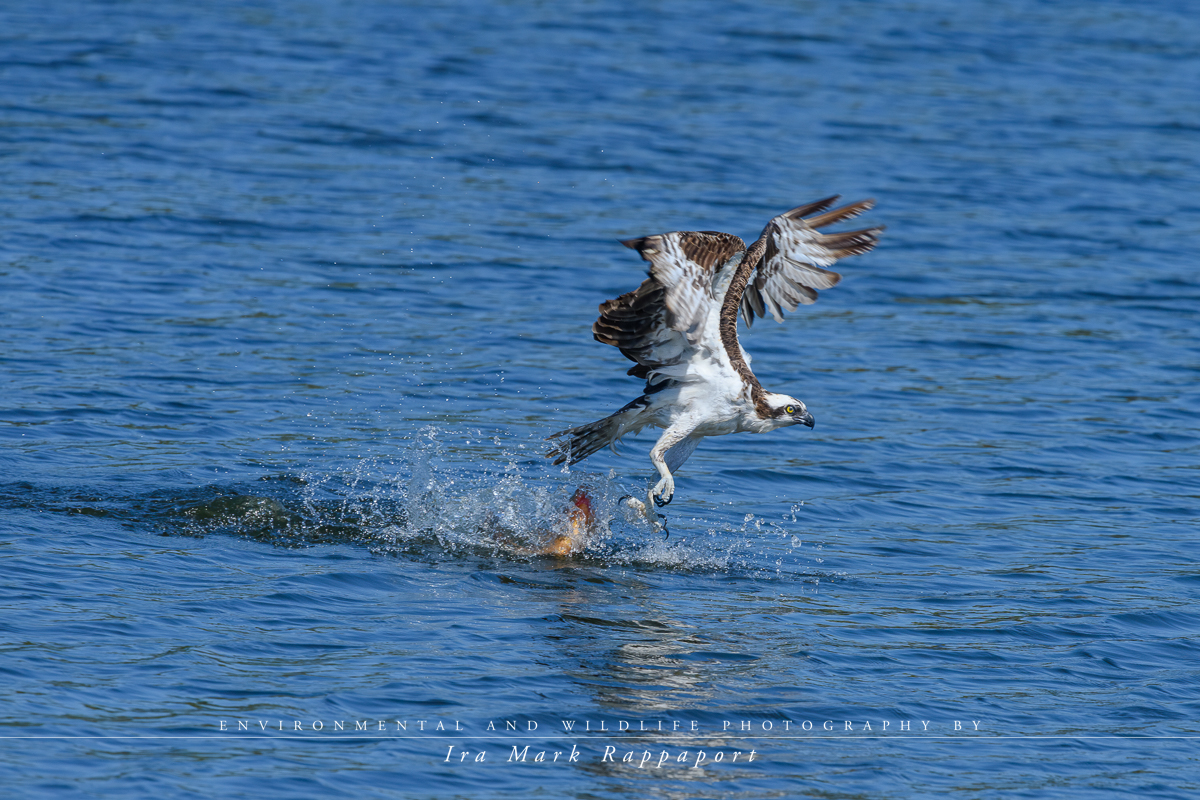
[{"x": 788, "y": 411}]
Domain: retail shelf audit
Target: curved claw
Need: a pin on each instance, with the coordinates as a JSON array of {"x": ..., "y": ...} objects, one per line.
[{"x": 663, "y": 492}]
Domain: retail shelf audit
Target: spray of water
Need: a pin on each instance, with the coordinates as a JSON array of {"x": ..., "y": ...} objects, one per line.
[{"x": 450, "y": 494}]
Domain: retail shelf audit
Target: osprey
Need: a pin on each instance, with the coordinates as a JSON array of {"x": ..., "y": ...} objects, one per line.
[{"x": 680, "y": 327}]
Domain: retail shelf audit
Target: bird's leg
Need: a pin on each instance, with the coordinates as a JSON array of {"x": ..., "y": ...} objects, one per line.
[
  {"x": 660, "y": 494},
  {"x": 664, "y": 490}
]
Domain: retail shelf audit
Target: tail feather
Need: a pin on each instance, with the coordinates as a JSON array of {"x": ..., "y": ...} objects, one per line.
[
  {"x": 585, "y": 439},
  {"x": 588, "y": 439}
]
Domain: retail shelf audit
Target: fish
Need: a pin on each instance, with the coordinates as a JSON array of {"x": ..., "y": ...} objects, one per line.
[{"x": 578, "y": 525}]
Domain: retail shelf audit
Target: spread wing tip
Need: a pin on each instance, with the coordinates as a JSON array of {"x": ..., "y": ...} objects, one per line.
[
  {"x": 848, "y": 211},
  {"x": 850, "y": 243},
  {"x": 811, "y": 208}
]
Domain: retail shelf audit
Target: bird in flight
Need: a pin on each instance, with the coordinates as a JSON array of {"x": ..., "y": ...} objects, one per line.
[{"x": 680, "y": 329}]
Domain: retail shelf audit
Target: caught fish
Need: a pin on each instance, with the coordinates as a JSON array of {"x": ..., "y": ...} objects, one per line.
[{"x": 578, "y": 525}]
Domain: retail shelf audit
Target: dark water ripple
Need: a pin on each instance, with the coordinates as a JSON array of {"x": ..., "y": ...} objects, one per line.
[{"x": 293, "y": 292}]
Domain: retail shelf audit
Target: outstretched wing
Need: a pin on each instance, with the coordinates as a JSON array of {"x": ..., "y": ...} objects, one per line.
[
  {"x": 659, "y": 324},
  {"x": 792, "y": 266}
]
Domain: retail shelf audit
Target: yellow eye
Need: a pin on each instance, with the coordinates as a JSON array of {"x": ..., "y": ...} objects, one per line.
[{"x": 790, "y": 410}]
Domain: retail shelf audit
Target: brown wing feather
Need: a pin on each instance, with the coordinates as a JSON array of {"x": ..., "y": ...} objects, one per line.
[
  {"x": 635, "y": 323},
  {"x": 657, "y": 324}
]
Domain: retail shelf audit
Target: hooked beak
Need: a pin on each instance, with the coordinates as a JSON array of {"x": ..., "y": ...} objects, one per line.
[{"x": 807, "y": 419}]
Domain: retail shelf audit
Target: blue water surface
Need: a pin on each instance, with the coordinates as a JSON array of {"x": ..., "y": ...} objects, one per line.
[{"x": 292, "y": 293}]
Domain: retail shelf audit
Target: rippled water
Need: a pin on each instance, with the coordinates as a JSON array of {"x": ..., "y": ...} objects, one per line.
[{"x": 293, "y": 292}]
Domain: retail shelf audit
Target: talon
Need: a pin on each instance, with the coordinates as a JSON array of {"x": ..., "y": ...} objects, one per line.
[{"x": 663, "y": 492}]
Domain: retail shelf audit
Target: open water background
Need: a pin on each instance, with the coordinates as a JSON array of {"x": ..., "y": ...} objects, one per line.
[{"x": 292, "y": 291}]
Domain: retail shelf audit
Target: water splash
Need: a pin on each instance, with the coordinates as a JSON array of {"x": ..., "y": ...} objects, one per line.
[{"x": 450, "y": 494}]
